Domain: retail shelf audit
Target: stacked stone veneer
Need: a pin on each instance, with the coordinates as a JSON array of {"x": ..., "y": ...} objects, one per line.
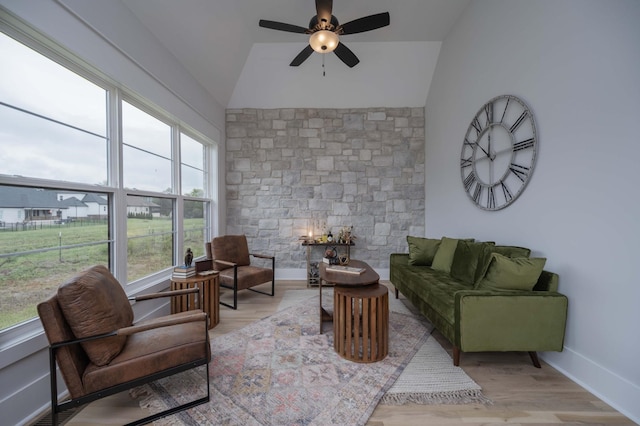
[{"x": 360, "y": 167}]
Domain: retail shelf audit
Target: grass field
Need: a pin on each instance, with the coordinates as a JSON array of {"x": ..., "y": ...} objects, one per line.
[{"x": 27, "y": 279}]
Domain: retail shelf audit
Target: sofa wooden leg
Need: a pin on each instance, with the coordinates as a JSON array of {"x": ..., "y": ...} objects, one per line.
[
  {"x": 397, "y": 293},
  {"x": 456, "y": 356},
  {"x": 535, "y": 360}
]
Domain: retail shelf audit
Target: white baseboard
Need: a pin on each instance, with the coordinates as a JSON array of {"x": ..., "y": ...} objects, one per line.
[{"x": 610, "y": 387}]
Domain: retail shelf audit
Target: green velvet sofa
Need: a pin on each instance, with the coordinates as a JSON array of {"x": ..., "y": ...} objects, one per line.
[{"x": 482, "y": 296}]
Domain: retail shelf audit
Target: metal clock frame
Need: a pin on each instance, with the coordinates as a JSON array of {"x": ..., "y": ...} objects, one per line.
[{"x": 502, "y": 192}]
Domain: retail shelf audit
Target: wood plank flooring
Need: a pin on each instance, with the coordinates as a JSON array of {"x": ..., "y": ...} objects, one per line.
[{"x": 522, "y": 394}]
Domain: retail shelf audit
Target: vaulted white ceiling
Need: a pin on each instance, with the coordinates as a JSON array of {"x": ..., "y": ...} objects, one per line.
[{"x": 242, "y": 65}]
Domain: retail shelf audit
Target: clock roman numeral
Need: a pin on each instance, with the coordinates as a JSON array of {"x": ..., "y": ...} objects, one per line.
[
  {"x": 505, "y": 190},
  {"x": 469, "y": 180},
  {"x": 519, "y": 121},
  {"x": 488, "y": 110},
  {"x": 477, "y": 193},
  {"x": 520, "y": 171},
  {"x": 491, "y": 198},
  {"x": 505, "y": 110},
  {"x": 476, "y": 125},
  {"x": 465, "y": 162},
  {"x": 525, "y": 144}
]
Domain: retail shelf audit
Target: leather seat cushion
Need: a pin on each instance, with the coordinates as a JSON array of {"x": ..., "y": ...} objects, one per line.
[
  {"x": 248, "y": 276},
  {"x": 148, "y": 352}
]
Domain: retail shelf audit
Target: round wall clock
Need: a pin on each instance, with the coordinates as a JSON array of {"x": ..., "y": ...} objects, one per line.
[{"x": 498, "y": 153}]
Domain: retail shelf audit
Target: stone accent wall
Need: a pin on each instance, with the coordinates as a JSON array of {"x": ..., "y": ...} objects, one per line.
[{"x": 359, "y": 167}]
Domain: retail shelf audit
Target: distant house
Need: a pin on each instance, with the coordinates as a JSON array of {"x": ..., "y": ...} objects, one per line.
[
  {"x": 142, "y": 206},
  {"x": 76, "y": 209},
  {"x": 20, "y": 205},
  {"x": 97, "y": 206}
]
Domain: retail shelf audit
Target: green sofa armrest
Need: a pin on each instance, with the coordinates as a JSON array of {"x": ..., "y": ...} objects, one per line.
[{"x": 509, "y": 320}]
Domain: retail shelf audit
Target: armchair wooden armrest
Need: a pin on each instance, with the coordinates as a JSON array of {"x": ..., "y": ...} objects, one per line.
[
  {"x": 149, "y": 325},
  {"x": 224, "y": 262},
  {"x": 262, "y": 256}
]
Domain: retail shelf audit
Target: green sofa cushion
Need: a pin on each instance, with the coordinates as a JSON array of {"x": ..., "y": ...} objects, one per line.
[
  {"x": 422, "y": 250},
  {"x": 444, "y": 256},
  {"x": 506, "y": 273},
  {"x": 470, "y": 261}
]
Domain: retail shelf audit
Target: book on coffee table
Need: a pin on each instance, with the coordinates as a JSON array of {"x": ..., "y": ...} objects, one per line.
[{"x": 345, "y": 269}]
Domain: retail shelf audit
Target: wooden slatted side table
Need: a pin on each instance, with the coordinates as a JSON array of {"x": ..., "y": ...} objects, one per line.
[
  {"x": 209, "y": 295},
  {"x": 361, "y": 322}
]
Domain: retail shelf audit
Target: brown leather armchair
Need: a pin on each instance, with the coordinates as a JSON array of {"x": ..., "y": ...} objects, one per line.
[
  {"x": 232, "y": 258},
  {"x": 100, "y": 352}
]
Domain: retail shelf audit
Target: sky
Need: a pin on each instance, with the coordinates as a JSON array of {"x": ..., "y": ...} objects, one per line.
[{"x": 32, "y": 146}]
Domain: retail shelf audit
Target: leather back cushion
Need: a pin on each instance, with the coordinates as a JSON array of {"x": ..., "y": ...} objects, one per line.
[
  {"x": 93, "y": 303},
  {"x": 232, "y": 248},
  {"x": 71, "y": 359}
]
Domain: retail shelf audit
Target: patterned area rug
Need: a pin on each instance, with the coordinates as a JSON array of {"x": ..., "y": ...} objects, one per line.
[
  {"x": 429, "y": 378},
  {"x": 280, "y": 371}
]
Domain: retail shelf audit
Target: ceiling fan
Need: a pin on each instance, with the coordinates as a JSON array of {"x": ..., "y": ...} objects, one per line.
[{"x": 325, "y": 32}]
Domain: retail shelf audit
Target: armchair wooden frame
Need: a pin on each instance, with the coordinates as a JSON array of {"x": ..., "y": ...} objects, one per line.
[
  {"x": 235, "y": 279},
  {"x": 192, "y": 316}
]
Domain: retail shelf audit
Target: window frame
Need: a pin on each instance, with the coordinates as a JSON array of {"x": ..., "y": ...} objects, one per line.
[{"x": 22, "y": 33}]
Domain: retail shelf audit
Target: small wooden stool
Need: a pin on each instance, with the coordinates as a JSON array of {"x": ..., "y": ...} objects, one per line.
[
  {"x": 209, "y": 295},
  {"x": 361, "y": 322}
]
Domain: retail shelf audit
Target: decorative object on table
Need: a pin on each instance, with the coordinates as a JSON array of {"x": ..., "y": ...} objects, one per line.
[
  {"x": 498, "y": 152},
  {"x": 345, "y": 236},
  {"x": 331, "y": 256},
  {"x": 184, "y": 271},
  {"x": 188, "y": 258},
  {"x": 345, "y": 269},
  {"x": 343, "y": 259},
  {"x": 314, "y": 272}
]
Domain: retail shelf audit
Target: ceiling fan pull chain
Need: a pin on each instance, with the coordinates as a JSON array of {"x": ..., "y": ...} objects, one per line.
[{"x": 323, "y": 69}]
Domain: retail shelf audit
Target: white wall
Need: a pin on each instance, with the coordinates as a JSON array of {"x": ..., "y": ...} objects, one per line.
[
  {"x": 389, "y": 75},
  {"x": 577, "y": 64},
  {"x": 108, "y": 37}
]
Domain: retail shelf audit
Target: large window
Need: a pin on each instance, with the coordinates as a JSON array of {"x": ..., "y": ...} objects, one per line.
[
  {"x": 46, "y": 235},
  {"x": 53, "y": 121},
  {"x": 82, "y": 183},
  {"x": 149, "y": 235},
  {"x": 146, "y": 145}
]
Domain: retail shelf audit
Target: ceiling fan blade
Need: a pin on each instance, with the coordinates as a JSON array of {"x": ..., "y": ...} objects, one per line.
[
  {"x": 367, "y": 23},
  {"x": 302, "y": 56},
  {"x": 324, "y": 9},
  {"x": 346, "y": 55},
  {"x": 281, "y": 26}
]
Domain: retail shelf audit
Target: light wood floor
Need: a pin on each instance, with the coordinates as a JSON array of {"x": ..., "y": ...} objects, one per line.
[{"x": 522, "y": 394}]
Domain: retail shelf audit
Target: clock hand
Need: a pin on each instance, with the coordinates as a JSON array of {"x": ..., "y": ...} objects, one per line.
[{"x": 480, "y": 146}]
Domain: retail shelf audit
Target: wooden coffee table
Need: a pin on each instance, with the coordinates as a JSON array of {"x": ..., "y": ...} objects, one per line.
[{"x": 360, "y": 313}]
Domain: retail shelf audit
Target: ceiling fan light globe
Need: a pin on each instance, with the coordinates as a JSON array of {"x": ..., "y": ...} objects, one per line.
[{"x": 324, "y": 41}]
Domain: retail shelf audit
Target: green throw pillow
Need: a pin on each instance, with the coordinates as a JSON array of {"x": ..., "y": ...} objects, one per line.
[
  {"x": 469, "y": 261},
  {"x": 512, "y": 251},
  {"x": 422, "y": 250},
  {"x": 505, "y": 273},
  {"x": 444, "y": 256}
]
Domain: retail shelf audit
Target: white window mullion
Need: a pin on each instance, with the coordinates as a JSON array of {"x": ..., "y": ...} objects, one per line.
[
  {"x": 119, "y": 217},
  {"x": 179, "y": 205}
]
